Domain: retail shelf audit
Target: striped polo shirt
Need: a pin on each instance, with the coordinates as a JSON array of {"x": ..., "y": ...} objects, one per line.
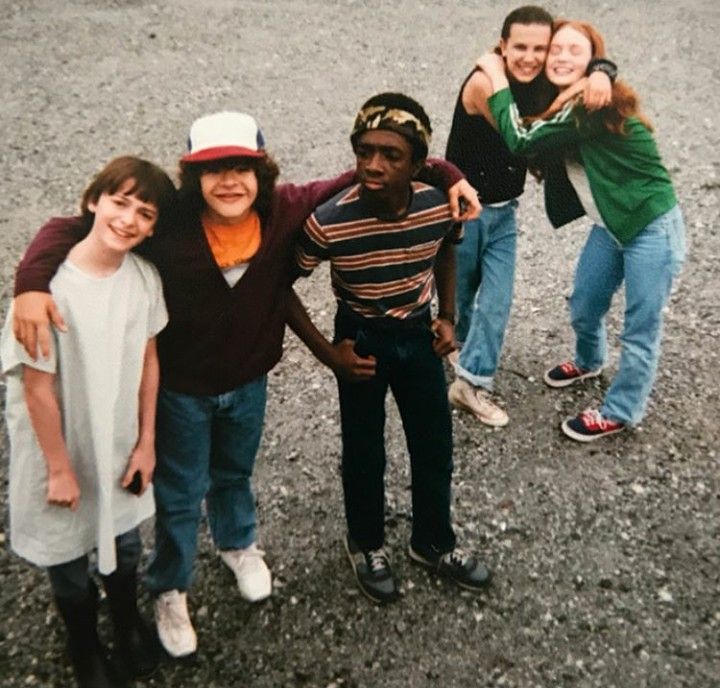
[{"x": 379, "y": 268}]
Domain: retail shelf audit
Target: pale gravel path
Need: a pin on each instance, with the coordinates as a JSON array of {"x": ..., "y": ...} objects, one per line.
[{"x": 607, "y": 556}]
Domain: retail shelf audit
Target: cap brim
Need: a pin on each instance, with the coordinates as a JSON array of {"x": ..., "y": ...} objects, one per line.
[{"x": 222, "y": 152}]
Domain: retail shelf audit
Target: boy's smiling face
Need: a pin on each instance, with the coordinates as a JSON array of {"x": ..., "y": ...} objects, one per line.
[
  {"x": 122, "y": 220},
  {"x": 229, "y": 192},
  {"x": 385, "y": 167}
]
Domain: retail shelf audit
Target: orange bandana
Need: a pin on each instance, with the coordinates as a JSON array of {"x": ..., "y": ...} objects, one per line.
[{"x": 233, "y": 244}]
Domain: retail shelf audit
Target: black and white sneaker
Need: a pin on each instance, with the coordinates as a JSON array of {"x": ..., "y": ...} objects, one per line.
[
  {"x": 373, "y": 572},
  {"x": 465, "y": 570}
]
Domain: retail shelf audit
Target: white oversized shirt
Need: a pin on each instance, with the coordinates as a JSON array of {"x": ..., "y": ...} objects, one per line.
[{"x": 98, "y": 365}]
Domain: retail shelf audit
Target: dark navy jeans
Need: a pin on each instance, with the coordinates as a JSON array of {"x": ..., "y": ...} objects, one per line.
[{"x": 407, "y": 365}]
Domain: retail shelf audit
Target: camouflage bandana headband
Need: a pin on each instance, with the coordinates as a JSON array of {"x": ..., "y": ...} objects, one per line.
[{"x": 394, "y": 119}]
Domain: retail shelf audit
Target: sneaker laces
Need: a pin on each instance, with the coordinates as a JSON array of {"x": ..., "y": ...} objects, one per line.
[
  {"x": 377, "y": 560},
  {"x": 592, "y": 419},
  {"x": 569, "y": 368},
  {"x": 482, "y": 396},
  {"x": 457, "y": 558},
  {"x": 173, "y": 610},
  {"x": 238, "y": 555}
]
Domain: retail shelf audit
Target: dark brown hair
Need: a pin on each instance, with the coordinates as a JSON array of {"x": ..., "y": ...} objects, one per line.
[
  {"x": 527, "y": 14},
  {"x": 265, "y": 168},
  {"x": 149, "y": 183}
]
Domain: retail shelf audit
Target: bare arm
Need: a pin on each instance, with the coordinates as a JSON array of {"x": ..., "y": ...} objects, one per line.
[
  {"x": 597, "y": 92},
  {"x": 475, "y": 95},
  {"x": 494, "y": 67},
  {"x": 443, "y": 325},
  {"x": 42, "y": 404},
  {"x": 143, "y": 455},
  {"x": 340, "y": 358}
]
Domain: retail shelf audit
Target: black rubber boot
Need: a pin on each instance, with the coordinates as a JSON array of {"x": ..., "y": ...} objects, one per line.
[
  {"x": 136, "y": 644},
  {"x": 88, "y": 657}
]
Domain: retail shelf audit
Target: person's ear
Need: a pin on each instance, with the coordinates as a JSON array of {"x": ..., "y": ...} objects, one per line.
[{"x": 501, "y": 48}]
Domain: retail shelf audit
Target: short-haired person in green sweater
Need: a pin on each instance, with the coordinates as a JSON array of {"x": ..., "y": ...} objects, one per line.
[{"x": 608, "y": 169}]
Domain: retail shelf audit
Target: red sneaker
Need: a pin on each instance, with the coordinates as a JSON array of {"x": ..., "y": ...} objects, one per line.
[
  {"x": 566, "y": 373},
  {"x": 590, "y": 425}
]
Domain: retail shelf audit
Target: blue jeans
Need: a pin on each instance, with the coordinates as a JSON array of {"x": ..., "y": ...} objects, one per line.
[
  {"x": 206, "y": 448},
  {"x": 407, "y": 365},
  {"x": 648, "y": 265},
  {"x": 485, "y": 279}
]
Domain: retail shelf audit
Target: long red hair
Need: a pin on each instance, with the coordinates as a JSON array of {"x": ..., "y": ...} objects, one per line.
[{"x": 625, "y": 101}]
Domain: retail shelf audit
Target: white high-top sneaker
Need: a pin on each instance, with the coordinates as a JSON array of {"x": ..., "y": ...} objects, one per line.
[
  {"x": 251, "y": 571},
  {"x": 174, "y": 627}
]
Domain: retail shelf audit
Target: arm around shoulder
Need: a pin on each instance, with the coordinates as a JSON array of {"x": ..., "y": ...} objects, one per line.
[
  {"x": 478, "y": 88},
  {"x": 297, "y": 201},
  {"x": 34, "y": 309}
]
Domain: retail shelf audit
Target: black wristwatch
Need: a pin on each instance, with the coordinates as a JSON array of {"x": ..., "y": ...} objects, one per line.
[{"x": 600, "y": 64}]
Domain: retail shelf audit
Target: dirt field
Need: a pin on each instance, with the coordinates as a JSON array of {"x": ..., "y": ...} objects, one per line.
[{"x": 606, "y": 557}]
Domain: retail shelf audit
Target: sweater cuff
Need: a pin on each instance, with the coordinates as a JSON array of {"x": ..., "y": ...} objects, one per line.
[{"x": 28, "y": 280}]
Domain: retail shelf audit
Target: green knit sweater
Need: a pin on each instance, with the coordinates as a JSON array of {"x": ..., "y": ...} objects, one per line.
[{"x": 629, "y": 183}]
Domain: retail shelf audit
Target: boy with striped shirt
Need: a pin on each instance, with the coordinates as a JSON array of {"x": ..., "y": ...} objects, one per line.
[{"x": 390, "y": 243}]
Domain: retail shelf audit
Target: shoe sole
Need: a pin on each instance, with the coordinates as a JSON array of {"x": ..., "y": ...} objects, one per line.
[
  {"x": 459, "y": 404},
  {"x": 431, "y": 568},
  {"x": 172, "y": 655},
  {"x": 376, "y": 600},
  {"x": 184, "y": 655},
  {"x": 557, "y": 384},
  {"x": 585, "y": 438},
  {"x": 252, "y": 599},
  {"x": 255, "y": 599}
]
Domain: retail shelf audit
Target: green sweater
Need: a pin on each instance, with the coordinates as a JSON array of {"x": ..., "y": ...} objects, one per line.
[{"x": 629, "y": 183}]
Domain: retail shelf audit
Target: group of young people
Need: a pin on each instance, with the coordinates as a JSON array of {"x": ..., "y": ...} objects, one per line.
[
  {"x": 130, "y": 390},
  {"x": 595, "y": 152}
]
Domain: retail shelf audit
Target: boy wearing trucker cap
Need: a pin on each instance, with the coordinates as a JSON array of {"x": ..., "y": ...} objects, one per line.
[{"x": 225, "y": 272}]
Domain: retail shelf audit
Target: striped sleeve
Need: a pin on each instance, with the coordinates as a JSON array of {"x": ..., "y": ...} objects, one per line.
[
  {"x": 560, "y": 129},
  {"x": 312, "y": 247}
]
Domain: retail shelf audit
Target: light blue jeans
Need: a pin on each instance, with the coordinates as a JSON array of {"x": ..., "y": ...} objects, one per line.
[
  {"x": 648, "y": 265},
  {"x": 206, "y": 448},
  {"x": 485, "y": 279}
]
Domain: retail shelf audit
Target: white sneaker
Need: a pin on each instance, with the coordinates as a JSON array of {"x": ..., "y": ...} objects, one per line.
[
  {"x": 174, "y": 627},
  {"x": 464, "y": 396},
  {"x": 251, "y": 571}
]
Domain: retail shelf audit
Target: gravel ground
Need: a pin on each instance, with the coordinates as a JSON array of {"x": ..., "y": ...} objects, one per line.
[{"x": 606, "y": 557}]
